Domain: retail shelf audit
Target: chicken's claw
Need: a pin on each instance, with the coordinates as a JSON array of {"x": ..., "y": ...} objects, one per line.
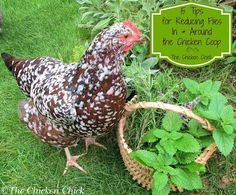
[{"x": 71, "y": 161}]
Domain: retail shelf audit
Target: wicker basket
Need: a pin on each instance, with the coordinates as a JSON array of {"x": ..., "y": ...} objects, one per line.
[{"x": 141, "y": 173}]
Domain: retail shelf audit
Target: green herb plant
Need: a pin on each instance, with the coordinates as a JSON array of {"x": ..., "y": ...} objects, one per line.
[
  {"x": 98, "y": 14},
  {"x": 171, "y": 150},
  {"x": 232, "y": 58}
]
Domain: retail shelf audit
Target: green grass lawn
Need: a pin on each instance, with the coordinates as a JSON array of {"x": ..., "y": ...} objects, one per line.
[{"x": 48, "y": 28}]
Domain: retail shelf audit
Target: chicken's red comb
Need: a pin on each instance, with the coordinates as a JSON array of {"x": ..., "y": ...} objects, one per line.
[{"x": 132, "y": 26}]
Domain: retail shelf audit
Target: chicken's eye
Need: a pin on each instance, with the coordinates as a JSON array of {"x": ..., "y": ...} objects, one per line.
[
  {"x": 123, "y": 37},
  {"x": 126, "y": 36}
]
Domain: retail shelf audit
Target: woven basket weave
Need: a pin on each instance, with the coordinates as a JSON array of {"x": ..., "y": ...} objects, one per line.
[{"x": 141, "y": 173}]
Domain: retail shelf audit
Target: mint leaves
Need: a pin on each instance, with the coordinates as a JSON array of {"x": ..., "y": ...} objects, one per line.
[
  {"x": 216, "y": 111},
  {"x": 160, "y": 183},
  {"x": 191, "y": 85},
  {"x": 187, "y": 143},
  {"x": 186, "y": 179},
  {"x": 145, "y": 157},
  {"x": 174, "y": 146},
  {"x": 172, "y": 122},
  {"x": 172, "y": 156},
  {"x": 224, "y": 141}
]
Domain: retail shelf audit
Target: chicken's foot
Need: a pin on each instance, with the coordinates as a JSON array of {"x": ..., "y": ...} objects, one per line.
[
  {"x": 71, "y": 161},
  {"x": 92, "y": 141}
]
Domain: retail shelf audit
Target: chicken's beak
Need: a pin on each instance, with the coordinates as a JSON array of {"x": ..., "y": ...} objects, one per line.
[
  {"x": 141, "y": 39},
  {"x": 129, "y": 44}
]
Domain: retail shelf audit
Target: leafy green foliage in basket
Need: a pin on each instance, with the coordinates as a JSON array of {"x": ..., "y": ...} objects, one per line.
[
  {"x": 213, "y": 106},
  {"x": 172, "y": 149}
]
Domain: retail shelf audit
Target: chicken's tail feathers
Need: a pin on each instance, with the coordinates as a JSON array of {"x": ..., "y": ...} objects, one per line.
[{"x": 8, "y": 59}]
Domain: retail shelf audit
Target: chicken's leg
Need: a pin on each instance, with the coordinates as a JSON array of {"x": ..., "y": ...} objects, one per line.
[
  {"x": 92, "y": 140},
  {"x": 22, "y": 111},
  {"x": 71, "y": 161}
]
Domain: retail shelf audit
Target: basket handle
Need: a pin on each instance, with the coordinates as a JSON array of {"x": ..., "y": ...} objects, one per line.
[
  {"x": 130, "y": 107},
  {"x": 207, "y": 153}
]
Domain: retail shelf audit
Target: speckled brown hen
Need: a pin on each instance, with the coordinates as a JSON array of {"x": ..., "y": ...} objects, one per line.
[{"x": 68, "y": 102}]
